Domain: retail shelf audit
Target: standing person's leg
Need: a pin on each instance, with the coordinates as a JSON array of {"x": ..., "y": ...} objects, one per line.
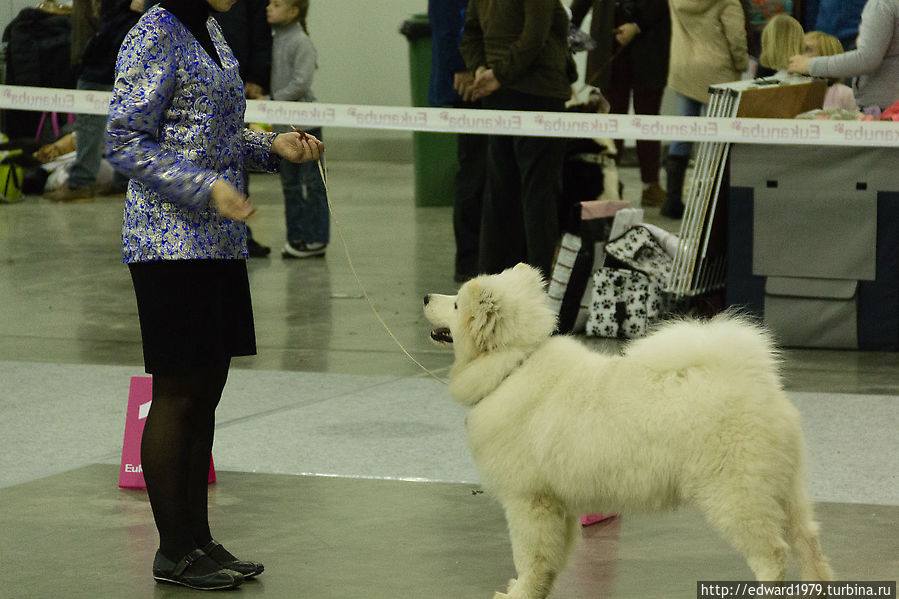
[
  {"x": 502, "y": 239},
  {"x": 540, "y": 161},
  {"x": 678, "y": 159},
  {"x": 649, "y": 101},
  {"x": 187, "y": 347},
  {"x": 305, "y": 210},
  {"x": 254, "y": 248},
  {"x": 292, "y": 187},
  {"x": 471, "y": 181},
  {"x": 89, "y": 132},
  {"x": 176, "y": 437},
  {"x": 207, "y": 390},
  {"x": 619, "y": 92}
]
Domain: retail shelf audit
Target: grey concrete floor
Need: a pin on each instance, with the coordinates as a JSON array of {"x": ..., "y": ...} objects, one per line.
[{"x": 341, "y": 464}]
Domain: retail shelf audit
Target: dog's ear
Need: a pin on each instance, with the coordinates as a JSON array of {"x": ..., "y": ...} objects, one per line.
[
  {"x": 484, "y": 318},
  {"x": 527, "y": 273}
]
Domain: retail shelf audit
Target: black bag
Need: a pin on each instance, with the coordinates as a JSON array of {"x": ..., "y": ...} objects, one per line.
[{"x": 575, "y": 261}]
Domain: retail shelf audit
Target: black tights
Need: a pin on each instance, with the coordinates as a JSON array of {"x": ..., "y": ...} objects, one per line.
[{"x": 175, "y": 452}]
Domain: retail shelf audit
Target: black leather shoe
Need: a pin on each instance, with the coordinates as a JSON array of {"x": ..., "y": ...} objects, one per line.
[
  {"x": 226, "y": 560},
  {"x": 256, "y": 249},
  {"x": 164, "y": 570}
]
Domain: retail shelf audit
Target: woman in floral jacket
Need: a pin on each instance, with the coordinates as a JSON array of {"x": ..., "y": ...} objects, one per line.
[{"x": 176, "y": 128}]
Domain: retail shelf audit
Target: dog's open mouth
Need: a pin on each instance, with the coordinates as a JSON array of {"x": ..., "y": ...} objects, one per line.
[{"x": 442, "y": 335}]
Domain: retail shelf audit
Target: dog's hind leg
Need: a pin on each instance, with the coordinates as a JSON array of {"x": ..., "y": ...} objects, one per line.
[
  {"x": 542, "y": 535},
  {"x": 754, "y": 523},
  {"x": 802, "y": 531}
]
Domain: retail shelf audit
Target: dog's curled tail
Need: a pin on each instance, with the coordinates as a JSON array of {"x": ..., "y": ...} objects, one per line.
[{"x": 730, "y": 340}]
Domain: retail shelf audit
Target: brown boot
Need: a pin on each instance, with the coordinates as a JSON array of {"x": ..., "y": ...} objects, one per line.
[
  {"x": 653, "y": 195},
  {"x": 71, "y": 195}
]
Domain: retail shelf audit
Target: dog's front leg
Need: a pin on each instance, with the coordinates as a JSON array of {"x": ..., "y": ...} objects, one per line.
[{"x": 542, "y": 535}]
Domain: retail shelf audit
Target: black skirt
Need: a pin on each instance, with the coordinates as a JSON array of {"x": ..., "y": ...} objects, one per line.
[{"x": 193, "y": 313}]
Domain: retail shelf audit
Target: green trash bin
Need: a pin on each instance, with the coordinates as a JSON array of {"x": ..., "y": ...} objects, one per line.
[{"x": 434, "y": 154}]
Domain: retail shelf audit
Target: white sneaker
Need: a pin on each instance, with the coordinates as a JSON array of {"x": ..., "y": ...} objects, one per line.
[{"x": 303, "y": 250}]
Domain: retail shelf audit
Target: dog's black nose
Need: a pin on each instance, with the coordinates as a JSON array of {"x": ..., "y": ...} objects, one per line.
[{"x": 427, "y": 299}]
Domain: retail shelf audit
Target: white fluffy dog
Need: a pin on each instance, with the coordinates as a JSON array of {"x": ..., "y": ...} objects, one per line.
[{"x": 694, "y": 413}]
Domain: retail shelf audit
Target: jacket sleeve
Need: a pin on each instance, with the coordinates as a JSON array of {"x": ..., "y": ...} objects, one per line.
[
  {"x": 875, "y": 35},
  {"x": 733, "y": 19},
  {"x": 538, "y": 19},
  {"x": 446, "y": 29},
  {"x": 258, "y": 155},
  {"x": 472, "y": 44},
  {"x": 144, "y": 88}
]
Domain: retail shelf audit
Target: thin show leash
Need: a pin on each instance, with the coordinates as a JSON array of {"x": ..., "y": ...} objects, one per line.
[
  {"x": 605, "y": 65},
  {"x": 322, "y": 170}
]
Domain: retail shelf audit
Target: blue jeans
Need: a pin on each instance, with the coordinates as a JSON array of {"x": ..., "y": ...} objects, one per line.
[
  {"x": 686, "y": 107},
  {"x": 89, "y": 132},
  {"x": 305, "y": 200}
]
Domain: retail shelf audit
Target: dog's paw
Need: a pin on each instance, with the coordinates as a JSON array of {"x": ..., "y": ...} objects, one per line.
[{"x": 507, "y": 594}]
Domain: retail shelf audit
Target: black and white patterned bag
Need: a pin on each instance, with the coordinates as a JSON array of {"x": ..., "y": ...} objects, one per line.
[{"x": 628, "y": 299}]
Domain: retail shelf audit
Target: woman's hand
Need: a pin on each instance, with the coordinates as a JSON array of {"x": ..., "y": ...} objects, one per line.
[
  {"x": 799, "y": 64},
  {"x": 298, "y": 147},
  {"x": 230, "y": 203},
  {"x": 626, "y": 32}
]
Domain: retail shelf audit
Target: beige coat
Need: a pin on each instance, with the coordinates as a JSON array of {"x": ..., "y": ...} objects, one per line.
[{"x": 708, "y": 45}]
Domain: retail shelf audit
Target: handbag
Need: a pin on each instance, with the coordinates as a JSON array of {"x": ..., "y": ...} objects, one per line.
[
  {"x": 12, "y": 177},
  {"x": 628, "y": 295},
  {"x": 638, "y": 249},
  {"x": 624, "y": 304}
]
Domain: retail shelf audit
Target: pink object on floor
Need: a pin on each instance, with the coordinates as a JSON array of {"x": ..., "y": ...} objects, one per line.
[
  {"x": 140, "y": 395},
  {"x": 589, "y": 519}
]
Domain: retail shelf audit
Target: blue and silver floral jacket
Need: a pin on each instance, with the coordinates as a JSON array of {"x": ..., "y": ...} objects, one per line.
[{"x": 176, "y": 124}]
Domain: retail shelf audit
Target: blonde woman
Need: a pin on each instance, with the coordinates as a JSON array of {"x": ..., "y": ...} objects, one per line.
[{"x": 708, "y": 46}]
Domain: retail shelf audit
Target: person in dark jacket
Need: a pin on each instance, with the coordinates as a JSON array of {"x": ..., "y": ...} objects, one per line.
[
  {"x": 630, "y": 61},
  {"x": 250, "y": 37},
  {"x": 447, "y": 18},
  {"x": 97, "y": 63},
  {"x": 37, "y": 55},
  {"x": 518, "y": 53},
  {"x": 248, "y": 33}
]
